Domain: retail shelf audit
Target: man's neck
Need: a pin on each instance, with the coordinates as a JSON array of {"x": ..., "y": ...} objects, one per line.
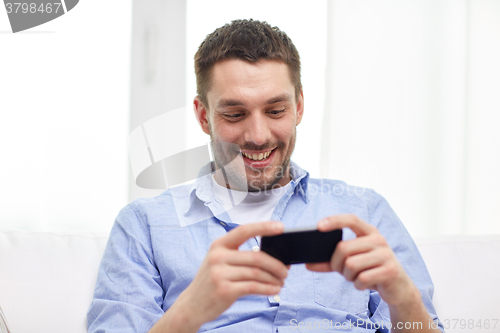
[{"x": 221, "y": 178}]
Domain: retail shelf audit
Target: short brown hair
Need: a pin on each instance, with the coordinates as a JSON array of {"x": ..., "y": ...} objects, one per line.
[{"x": 248, "y": 40}]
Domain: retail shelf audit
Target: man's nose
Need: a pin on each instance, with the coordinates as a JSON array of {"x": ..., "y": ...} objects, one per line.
[{"x": 257, "y": 129}]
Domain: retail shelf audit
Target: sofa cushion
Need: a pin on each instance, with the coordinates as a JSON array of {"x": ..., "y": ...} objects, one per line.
[
  {"x": 465, "y": 271},
  {"x": 47, "y": 279}
]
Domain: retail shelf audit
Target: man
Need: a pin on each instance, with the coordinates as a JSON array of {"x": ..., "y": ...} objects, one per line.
[{"x": 157, "y": 276}]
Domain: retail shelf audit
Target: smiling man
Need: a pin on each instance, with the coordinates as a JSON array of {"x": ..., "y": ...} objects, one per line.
[
  {"x": 255, "y": 106},
  {"x": 209, "y": 274}
]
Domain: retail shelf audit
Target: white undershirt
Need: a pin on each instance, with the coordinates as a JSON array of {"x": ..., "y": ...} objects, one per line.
[{"x": 254, "y": 206}]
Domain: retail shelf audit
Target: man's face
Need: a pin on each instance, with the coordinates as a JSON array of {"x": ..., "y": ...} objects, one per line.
[{"x": 252, "y": 105}]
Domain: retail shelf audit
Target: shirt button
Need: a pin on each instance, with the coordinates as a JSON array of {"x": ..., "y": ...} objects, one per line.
[
  {"x": 277, "y": 298},
  {"x": 255, "y": 248},
  {"x": 223, "y": 223}
]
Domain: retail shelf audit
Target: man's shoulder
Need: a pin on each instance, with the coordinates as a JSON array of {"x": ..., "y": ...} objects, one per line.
[
  {"x": 341, "y": 190},
  {"x": 328, "y": 187},
  {"x": 162, "y": 207},
  {"x": 362, "y": 201}
]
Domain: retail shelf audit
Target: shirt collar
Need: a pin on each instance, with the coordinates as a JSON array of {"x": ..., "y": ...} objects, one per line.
[
  {"x": 202, "y": 189},
  {"x": 300, "y": 179}
]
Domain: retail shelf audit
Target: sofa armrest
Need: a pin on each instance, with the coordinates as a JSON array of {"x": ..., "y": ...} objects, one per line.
[
  {"x": 465, "y": 270},
  {"x": 47, "y": 279}
]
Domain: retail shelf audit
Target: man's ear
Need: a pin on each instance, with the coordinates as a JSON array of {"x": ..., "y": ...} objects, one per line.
[
  {"x": 200, "y": 112},
  {"x": 300, "y": 107}
]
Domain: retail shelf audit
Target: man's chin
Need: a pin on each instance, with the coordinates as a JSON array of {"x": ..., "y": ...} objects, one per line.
[{"x": 255, "y": 179}]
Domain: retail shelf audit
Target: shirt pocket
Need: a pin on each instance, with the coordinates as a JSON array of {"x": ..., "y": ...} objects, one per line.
[{"x": 332, "y": 290}]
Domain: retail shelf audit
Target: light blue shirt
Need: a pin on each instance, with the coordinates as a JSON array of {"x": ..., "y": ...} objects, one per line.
[{"x": 150, "y": 259}]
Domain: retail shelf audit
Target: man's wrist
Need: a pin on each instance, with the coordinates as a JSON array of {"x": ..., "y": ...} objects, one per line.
[
  {"x": 409, "y": 299},
  {"x": 411, "y": 308}
]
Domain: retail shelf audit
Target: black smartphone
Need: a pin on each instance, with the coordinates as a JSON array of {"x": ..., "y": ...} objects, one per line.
[{"x": 304, "y": 245}]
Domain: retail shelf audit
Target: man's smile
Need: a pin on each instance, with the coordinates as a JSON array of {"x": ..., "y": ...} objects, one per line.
[
  {"x": 257, "y": 155},
  {"x": 260, "y": 159}
]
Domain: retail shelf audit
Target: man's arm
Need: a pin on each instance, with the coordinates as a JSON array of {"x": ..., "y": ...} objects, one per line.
[
  {"x": 225, "y": 275},
  {"x": 128, "y": 296},
  {"x": 370, "y": 263}
]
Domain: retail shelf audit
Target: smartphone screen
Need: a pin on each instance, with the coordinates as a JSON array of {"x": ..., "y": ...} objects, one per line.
[{"x": 298, "y": 246}]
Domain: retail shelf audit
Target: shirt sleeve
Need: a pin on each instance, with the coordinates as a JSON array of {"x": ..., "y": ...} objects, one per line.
[
  {"x": 128, "y": 296},
  {"x": 398, "y": 238}
]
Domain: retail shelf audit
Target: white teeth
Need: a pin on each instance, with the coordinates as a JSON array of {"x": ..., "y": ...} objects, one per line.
[{"x": 256, "y": 157}]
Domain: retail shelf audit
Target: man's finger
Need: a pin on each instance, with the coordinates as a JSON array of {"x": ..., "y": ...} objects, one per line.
[
  {"x": 350, "y": 221},
  {"x": 235, "y": 273},
  {"x": 363, "y": 262},
  {"x": 349, "y": 248},
  {"x": 240, "y": 234},
  {"x": 243, "y": 288},
  {"x": 260, "y": 260}
]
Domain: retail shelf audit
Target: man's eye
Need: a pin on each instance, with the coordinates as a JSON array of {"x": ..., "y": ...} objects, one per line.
[
  {"x": 234, "y": 115},
  {"x": 275, "y": 112}
]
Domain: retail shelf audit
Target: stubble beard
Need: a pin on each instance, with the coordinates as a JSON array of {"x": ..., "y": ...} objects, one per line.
[{"x": 244, "y": 178}]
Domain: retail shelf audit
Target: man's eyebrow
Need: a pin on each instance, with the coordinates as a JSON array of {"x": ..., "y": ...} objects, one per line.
[
  {"x": 222, "y": 103},
  {"x": 280, "y": 98}
]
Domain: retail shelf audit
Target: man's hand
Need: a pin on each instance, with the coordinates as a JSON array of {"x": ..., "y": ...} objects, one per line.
[
  {"x": 227, "y": 274},
  {"x": 370, "y": 263},
  {"x": 367, "y": 260}
]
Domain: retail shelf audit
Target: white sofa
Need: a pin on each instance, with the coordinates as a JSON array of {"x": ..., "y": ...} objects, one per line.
[{"x": 47, "y": 279}]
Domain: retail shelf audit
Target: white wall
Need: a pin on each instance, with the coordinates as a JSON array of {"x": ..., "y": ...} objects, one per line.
[
  {"x": 64, "y": 110},
  {"x": 413, "y": 111},
  {"x": 158, "y": 71}
]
